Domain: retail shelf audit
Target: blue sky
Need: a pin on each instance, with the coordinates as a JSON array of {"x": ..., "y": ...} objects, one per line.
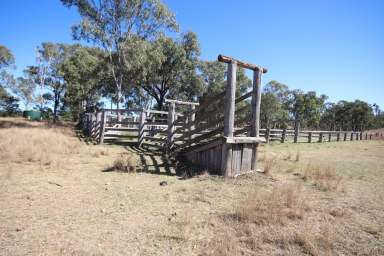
[{"x": 332, "y": 47}]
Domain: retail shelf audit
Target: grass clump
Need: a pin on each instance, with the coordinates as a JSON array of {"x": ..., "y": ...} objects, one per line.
[
  {"x": 269, "y": 163},
  {"x": 275, "y": 207},
  {"x": 324, "y": 178},
  {"x": 125, "y": 163}
]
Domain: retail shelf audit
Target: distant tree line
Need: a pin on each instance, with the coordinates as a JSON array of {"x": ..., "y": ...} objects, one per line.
[{"x": 139, "y": 58}]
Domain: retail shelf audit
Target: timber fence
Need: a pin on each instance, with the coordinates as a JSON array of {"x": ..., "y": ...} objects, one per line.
[{"x": 221, "y": 133}]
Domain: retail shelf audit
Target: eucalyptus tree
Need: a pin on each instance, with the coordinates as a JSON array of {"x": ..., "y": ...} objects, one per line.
[
  {"x": 112, "y": 23},
  {"x": 273, "y": 100},
  {"x": 169, "y": 68},
  {"x": 49, "y": 75},
  {"x": 6, "y": 57},
  {"x": 83, "y": 72}
]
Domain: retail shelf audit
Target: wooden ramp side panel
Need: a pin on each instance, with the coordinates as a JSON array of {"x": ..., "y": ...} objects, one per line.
[{"x": 210, "y": 157}]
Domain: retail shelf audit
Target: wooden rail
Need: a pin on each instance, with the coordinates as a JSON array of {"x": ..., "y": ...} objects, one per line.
[{"x": 219, "y": 134}]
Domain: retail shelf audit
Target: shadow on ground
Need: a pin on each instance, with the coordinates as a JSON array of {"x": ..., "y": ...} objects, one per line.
[{"x": 157, "y": 162}]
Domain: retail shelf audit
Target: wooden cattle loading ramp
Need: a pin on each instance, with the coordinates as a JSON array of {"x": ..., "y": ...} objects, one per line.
[{"x": 221, "y": 134}]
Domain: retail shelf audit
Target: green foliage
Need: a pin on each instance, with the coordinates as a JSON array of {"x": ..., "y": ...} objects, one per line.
[
  {"x": 114, "y": 24},
  {"x": 273, "y": 99},
  {"x": 83, "y": 72},
  {"x": 169, "y": 67},
  {"x": 6, "y": 57},
  {"x": 8, "y": 103}
]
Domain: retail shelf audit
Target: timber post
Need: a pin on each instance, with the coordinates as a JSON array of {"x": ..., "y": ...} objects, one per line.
[
  {"x": 310, "y": 137},
  {"x": 366, "y": 136},
  {"x": 297, "y": 131},
  {"x": 190, "y": 119},
  {"x": 370, "y": 136},
  {"x": 267, "y": 135},
  {"x": 171, "y": 127},
  {"x": 329, "y": 137},
  {"x": 361, "y": 135},
  {"x": 102, "y": 126},
  {"x": 357, "y": 135},
  {"x": 255, "y": 104},
  {"x": 351, "y": 136},
  {"x": 345, "y": 136},
  {"x": 143, "y": 117},
  {"x": 320, "y": 137},
  {"x": 338, "y": 136},
  {"x": 229, "y": 117},
  {"x": 283, "y": 135}
]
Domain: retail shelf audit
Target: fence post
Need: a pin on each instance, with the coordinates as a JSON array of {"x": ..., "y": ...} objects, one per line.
[
  {"x": 357, "y": 135},
  {"x": 267, "y": 135},
  {"x": 229, "y": 118},
  {"x": 351, "y": 136},
  {"x": 283, "y": 135},
  {"x": 370, "y": 136},
  {"x": 143, "y": 118},
  {"x": 170, "y": 130},
  {"x": 329, "y": 137},
  {"x": 345, "y": 136},
  {"x": 361, "y": 135},
  {"x": 102, "y": 126},
  {"x": 338, "y": 136},
  {"x": 255, "y": 104},
  {"x": 297, "y": 131},
  {"x": 190, "y": 119},
  {"x": 320, "y": 137},
  {"x": 309, "y": 137},
  {"x": 366, "y": 136}
]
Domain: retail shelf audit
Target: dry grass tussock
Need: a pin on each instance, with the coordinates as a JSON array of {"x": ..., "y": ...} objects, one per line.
[
  {"x": 125, "y": 163},
  {"x": 43, "y": 145},
  {"x": 270, "y": 161},
  {"x": 267, "y": 220},
  {"x": 276, "y": 207},
  {"x": 324, "y": 178}
]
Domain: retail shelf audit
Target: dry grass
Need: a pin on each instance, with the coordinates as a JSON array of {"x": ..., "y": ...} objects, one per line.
[
  {"x": 269, "y": 163},
  {"x": 45, "y": 146},
  {"x": 324, "y": 178},
  {"x": 125, "y": 163},
  {"x": 79, "y": 209},
  {"x": 262, "y": 208}
]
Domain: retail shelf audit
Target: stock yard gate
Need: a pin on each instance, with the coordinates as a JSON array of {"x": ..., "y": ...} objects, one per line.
[{"x": 220, "y": 134}]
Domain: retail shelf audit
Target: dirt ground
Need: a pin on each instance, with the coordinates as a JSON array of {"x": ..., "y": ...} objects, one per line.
[{"x": 73, "y": 203}]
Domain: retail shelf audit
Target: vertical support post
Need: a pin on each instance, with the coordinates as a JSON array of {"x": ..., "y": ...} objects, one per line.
[
  {"x": 297, "y": 131},
  {"x": 320, "y": 137},
  {"x": 366, "y": 136},
  {"x": 351, "y": 136},
  {"x": 310, "y": 137},
  {"x": 338, "y": 136},
  {"x": 283, "y": 135},
  {"x": 102, "y": 126},
  {"x": 229, "y": 118},
  {"x": 357, "y": 135},
  {"x": 255, "y": 105},
  {"x": 370, "y": 136},
  {"x": 171, "y": 127},
  {"x": 329, "y": 137},
  {"x": 143, "y": 117},
  {"x": 190, "y": 119},
  {"x": 345, "y": 136},
  {"x": 267, "y": 135},
  {"x": 361, "y": 135}
]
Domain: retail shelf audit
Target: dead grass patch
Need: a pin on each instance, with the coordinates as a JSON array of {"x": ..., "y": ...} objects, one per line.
[
  {"x": 324, "y": 178},
  {"x": 46, "y": 146},
  {"x": 275, "y": 207},
  {"x": 125, "y": 163},
  {"x": 269, "y": 163}
]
